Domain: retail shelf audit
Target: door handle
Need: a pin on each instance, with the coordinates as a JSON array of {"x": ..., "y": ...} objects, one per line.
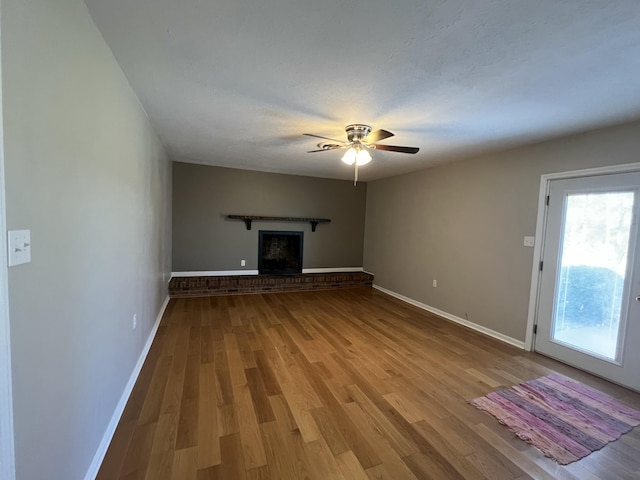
[{"x": 638, "y": 298}]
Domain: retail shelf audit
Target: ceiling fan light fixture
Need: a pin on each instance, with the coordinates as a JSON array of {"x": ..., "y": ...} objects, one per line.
[
  {"x": 363, "y": 157},
  {"x": 350, "y": 156},
  {"x": 359, "y": 156}
]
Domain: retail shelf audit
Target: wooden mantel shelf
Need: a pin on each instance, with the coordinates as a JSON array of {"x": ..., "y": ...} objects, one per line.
[{"x": 247, "y": 219}]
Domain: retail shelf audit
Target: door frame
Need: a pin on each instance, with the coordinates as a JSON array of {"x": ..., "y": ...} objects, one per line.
[
  {"x": 7, "y": 448},
  {"x": 541, "y": 222}
]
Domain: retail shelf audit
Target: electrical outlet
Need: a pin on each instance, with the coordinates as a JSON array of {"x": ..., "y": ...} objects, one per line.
[
  {"x": 135, "y": 320},
  {"x": 529, "y": 241},
  {"x": 243, "y": 263},
  {"x": 435, "y": 283}
]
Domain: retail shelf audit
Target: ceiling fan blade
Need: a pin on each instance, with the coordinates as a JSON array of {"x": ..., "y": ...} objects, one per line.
[
  {"x": 394, "y": 148},
  {"x": 327, "y": 148},
  {"x": 326, "y": 138},
  {"x": 376, "y": 136}
]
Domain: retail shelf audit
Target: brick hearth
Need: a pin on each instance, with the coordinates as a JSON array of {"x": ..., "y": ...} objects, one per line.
[{"x": 238, "y": 284}]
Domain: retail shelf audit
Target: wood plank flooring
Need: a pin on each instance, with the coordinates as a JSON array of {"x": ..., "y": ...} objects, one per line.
[{"x": 342, "y": 384}]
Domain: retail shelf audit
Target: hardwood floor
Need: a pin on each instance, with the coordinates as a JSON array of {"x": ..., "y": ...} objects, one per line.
[{"x": 342, "y": 384}]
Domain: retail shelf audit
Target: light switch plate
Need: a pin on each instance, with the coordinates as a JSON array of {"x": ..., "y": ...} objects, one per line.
[
  {"x": 19, "y": 242},
  {"x": 529, "y": 241}
]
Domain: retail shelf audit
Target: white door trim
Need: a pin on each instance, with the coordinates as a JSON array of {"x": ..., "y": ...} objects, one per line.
[
  {"x": 7, "y": 452},
  {"x": 540, "y": 232}
]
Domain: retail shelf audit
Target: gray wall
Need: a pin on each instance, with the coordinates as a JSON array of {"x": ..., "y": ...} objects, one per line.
[
  {"x": 88, "y": 176},
  {"x": 203, "y": 240},
  {"x": 463, "y": 224}
]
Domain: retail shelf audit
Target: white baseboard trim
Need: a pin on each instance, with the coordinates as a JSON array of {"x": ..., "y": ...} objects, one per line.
[
  {"x": 214, "y": 273},
  {"x": 117, "y": 414},
  {"x": 453, "y": 318},
  {"x": 332, "y": 270},
  {"x": 221, "y": 273}
]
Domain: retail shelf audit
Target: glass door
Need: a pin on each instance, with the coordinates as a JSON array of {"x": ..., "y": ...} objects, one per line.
[{"x": 587, "y": 311}]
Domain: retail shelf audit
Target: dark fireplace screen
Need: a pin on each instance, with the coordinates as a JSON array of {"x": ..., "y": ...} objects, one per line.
[{"x": 279, "y": 252}]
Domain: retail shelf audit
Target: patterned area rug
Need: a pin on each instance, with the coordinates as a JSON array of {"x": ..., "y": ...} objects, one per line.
[{"x": 565, "y": 419}]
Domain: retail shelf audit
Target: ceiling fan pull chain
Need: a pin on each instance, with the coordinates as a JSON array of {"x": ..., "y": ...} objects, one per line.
[{"x": 355, "y": 179}]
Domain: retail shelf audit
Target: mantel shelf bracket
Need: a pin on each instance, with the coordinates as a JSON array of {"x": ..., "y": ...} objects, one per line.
[{"x": 247, "y": 219}]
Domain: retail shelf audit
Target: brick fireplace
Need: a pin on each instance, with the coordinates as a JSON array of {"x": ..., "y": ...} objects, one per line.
[
  {"x": 280, "y": 270},
  {"x": 242, "y": 284}
]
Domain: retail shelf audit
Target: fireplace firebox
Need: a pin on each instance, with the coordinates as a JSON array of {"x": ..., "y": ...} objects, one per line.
[{"x": 279, "y": 252}]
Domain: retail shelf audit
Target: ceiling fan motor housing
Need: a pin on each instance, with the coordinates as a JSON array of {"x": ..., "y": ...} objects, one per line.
[{"x": 356, "y": 132}]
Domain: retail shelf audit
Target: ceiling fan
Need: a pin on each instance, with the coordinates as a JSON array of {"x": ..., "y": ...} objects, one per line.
[{"x": 360, "y": 139}]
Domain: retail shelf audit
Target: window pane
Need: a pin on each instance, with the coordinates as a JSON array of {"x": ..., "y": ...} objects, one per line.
[{"x": 593, "y": 266}]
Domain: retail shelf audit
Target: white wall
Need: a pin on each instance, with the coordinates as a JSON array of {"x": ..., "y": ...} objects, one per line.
[{"x": 87, "y": 175}]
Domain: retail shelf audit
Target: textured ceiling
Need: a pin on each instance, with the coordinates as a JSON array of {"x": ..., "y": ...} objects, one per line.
[{"x": 236, "y": 82}]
